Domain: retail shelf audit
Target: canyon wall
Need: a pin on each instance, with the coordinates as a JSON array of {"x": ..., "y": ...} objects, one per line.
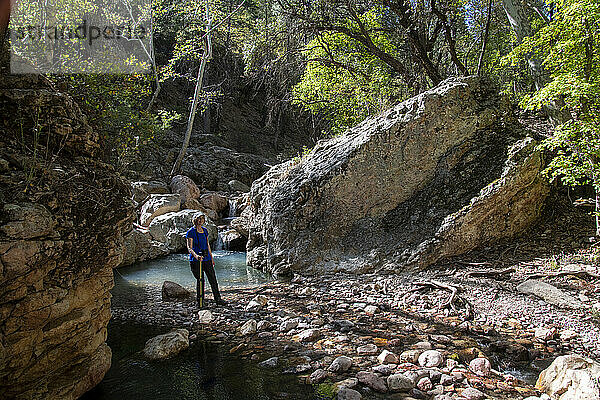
[{"x": 62, "y": 216}]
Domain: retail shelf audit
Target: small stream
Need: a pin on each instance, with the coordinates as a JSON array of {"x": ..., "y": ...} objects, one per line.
[{"x": 204, "y": 371}]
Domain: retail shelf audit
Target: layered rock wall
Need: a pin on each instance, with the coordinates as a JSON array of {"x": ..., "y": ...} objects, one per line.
[
  {"x": 435, "y": 176},
  {"x": 62, "y": 215}
]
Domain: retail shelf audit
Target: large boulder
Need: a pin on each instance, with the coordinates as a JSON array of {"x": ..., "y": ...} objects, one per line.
[
  {"x": 168, "y": 345},
  {"x": 143, "y": 189},
  {"x": 186, "y": 189},
  {"x": 61, "y": 224},
  {"x": 139, "y": 246},
  {"x": 158, "y": 204},
  {"x": 435, "y": 176},
  {"x": 214, "y": 201},
  {"x": 571, "y": 377}
]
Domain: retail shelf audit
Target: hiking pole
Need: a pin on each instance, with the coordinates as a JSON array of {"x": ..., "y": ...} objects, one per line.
[{"x": 201, "y": 284}]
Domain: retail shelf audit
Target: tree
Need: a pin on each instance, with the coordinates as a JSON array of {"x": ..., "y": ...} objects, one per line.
[{"x": 570, "y": 49}]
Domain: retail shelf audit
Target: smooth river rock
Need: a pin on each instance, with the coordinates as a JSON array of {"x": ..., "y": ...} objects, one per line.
[
  {"x": 165, "y": 346},
  {"x": 437, "y": 175}
]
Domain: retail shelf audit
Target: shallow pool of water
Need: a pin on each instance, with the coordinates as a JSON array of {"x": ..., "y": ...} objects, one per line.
[
  {"x": 204, "y": 371},
  {"x": 230, "y": 267}
]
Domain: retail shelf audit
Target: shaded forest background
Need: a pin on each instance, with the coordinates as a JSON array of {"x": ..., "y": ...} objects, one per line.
[{"x": 286, "y": 73}]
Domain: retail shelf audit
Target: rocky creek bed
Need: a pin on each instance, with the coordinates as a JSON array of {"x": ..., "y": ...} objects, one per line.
[{"x": 393, "y": 333}]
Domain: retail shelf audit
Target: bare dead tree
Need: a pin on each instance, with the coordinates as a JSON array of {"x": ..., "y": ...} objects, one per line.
[{"x": 206, "y": 57}]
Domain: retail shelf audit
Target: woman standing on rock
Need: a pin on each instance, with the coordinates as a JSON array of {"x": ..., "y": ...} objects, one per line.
[{"x": 201, "y": 256}]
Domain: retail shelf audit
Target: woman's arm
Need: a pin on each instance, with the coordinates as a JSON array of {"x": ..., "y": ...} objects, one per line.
[
  {"x": 190, "y": 246},
  {"x": 209, "y": 250}
]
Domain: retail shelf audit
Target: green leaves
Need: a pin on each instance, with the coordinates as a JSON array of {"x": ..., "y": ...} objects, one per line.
[
  {"x": 570, "y": 49},
  {"x": 346, "y": 82}
]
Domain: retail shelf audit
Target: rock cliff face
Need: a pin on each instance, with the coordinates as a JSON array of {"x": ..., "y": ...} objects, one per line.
[
  {"x": 435, "y": 176},
  {"x": 62, "y": 215}
]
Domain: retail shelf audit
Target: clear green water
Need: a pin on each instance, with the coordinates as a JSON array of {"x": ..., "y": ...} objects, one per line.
[
  {"x": 230, "y": 267},
  {"x": 204, "y": 371}
]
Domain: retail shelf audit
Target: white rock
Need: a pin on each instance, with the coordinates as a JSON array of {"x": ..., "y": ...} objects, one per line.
[
  {"x": 249, "y": 327},
  {"x": 571, "y": 377},
  {"x": 371, "y": 310},
  {"x": 205, "y": 316},
  {"x": 261, "y": 299},
  {"x": 545, "y": 334},
  {"x": 425, "y": 384},
  {"x": 387, "y": 357},
  {"x": 410, "y": 356},
  {"x": 164, "y": 346},
  {"x": 480, "y": 366},
  {"x": 567, "y": 334},
  {"x": 431, "y": 358},
  {"x": 159, "y": 204},
  {"x": 308, "y": 335},
  {"x": 253, "y": 306}
]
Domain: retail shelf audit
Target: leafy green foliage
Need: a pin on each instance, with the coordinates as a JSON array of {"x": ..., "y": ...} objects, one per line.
[
  {"x": 115, "y": 105},
  {"x": 570, "y": 49},
  {"x": 346, "y": 82}
]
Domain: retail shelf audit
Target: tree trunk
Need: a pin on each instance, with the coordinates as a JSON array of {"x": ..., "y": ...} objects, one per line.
[
  {"x": 190, "y": 124},
  {"x": 520, "y": 24},
  {"x": 486, "y": 33}
]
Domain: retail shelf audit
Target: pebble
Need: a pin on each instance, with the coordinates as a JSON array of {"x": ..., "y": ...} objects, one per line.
[
  {"x": 422, "y": 346},
  {"x": 387, "y": 357},
  {"x": 372, "y": 380},
  {"x": 253, "y": 306},
  {"x": 545, "y": 334},
  {"x": 399, "y": 383},
  {"x": 473, "y": 394},
  {"x": 431, "y": 358},
  {"x": 371, "y": 310},
  {"x": 425, "y": 384},
  {"x": 309, "y": 335},
  {"x": 367, "y": 349},
  {"x": 566, "y": 335},
  {"x": 340, "y": 364},
  {"x": 348, "y": 383},
  {"x": 269, "y": 363},
  {"x": 410, "y": 356},
  {"x": 384, "y": 369},
  {"x": 318, "y": 376},
  {"x": 348, "y": 394},
  {"x": 205, "y": 316},
  {"x": 249, "y": 327}
]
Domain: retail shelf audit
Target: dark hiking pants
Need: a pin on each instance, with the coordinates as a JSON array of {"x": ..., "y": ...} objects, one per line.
[{"x": 209, "y": 271}]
